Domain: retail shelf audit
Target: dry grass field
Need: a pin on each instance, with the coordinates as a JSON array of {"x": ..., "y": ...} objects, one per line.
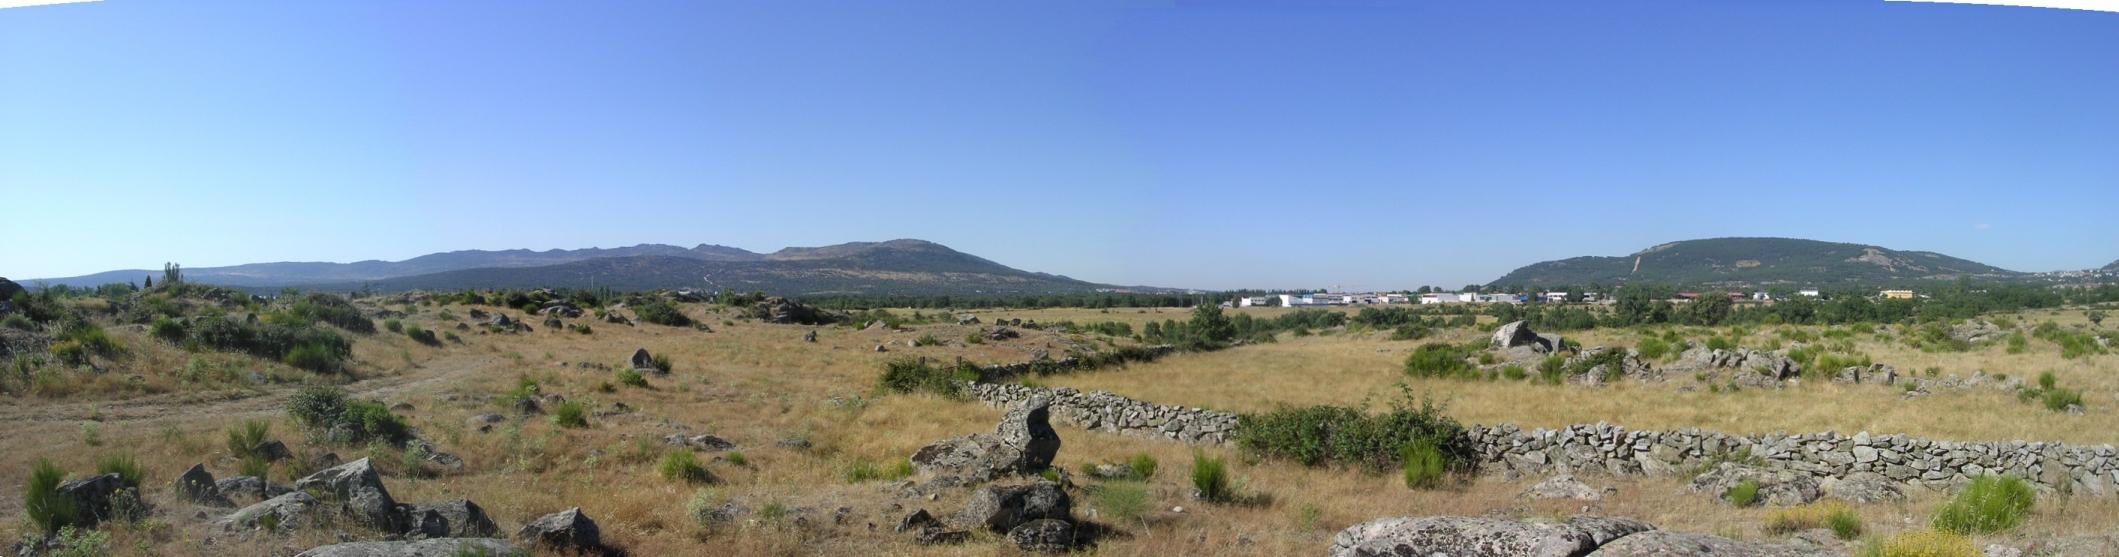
[{"x": 758, "y": 384}]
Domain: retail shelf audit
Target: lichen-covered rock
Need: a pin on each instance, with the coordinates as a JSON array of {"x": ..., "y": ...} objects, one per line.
[
  {"x": 1563, "y": 486},
  {"x": 286, "y": 512},
  {"x": 454, "y": 519},
  {"x": 1664, "y": 543},
  {"x": 567, "y": 530},
  {"x": 1863, "y": 487},
  {"x": 1461, "y": 537},
  {"x": 1043, "y": 535},
  {"x": 197, "y": 485},
  {"x": 250, "y": 486},
  {"x": 1001, "y": 508},
  {"x": 1023, "y": 443},
  {"x": 359, "y": 492},
  {"x": 1775, "y": 487},
  {"x": 92, "y": 496}
]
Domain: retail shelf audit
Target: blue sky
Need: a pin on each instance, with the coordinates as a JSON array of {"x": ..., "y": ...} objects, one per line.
[{"x": 1196, "y": 144}]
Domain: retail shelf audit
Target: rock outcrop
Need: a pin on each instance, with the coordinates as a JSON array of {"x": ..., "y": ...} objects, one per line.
[
  {"x": 286, "y": 512},
  {"x": 359, "y": 493},
  {"x": 1577, "y": 536},
  {"x": 1023, "y": 443},
  {"x": 1000, "y": 508},
  {"x": 454, "y": 519},
  {"x": 198, "y": 486},
  {"x": 567, "y": 530}
]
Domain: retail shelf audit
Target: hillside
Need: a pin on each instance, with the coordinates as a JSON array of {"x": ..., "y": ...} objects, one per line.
[
  {"x": 266, "y": 275},
  {"x": 908, "y": 267},
  {"x": 1754, "y": 261},
  {"x": 892, "y": 267}
]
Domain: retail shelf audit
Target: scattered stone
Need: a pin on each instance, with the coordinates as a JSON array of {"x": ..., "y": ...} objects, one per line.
[
  {"x": 916, "y": 521},
  {"x": 1043, "y": 535},
  {"x": 1775, "y": 487},
  {"x": 1664, "y": 543},
  {"x": 250, "y": 486},
  {"x": 485, "y": 422},
  {"x": 810, "y": 336},
  {"x": 796, "y": 443},
  {"x": 422, "y": 548},
  {"x": 1563, "y": 486},
  {"x": 1023, "y": 443},
  {"x": 454, "y": 519},
  {"x": 880, "y": 348},
  {"x": 288, "y": 511},
  {"x": 272, "y": 450},
  {"x": 197, "y": 485},
  {"x": 567, "y": 530},
  {"x": 1001, "y": 508},
  {"x": 1461, "y": 537},
  {"x": 359, "y": 492}
]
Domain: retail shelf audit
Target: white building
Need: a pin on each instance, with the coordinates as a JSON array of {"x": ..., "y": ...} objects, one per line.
[{"x": 1811, "y": 292}]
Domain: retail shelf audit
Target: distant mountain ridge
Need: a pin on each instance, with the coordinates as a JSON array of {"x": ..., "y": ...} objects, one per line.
[
  {"x": 891, "y": 267},
  {"x": 1754, "y": 261}
]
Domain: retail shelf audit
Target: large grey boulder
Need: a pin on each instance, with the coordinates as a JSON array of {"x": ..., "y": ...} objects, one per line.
[
  {"x": 1664, "y": 543},
  {"x": 359, "y": 492},
  {"x": 643, "y": 362},
  {"x": 1044, "y": 535},
  {"x": 197, "y": 485},
  {"x": 567, "y": 530},
  {"x": 422, "y": 548},
  {"x": 1603, "y": 529},
  {"x": 1863, "y": 487},
  {"x": 1001, "y": 508},
  {"x": 1775, "y": 487},
  {"x": 1518, "y": 333},
  {"x": 1461, "y": 537},
  {"x": 92, "y": 496},
  {"x": 286, "y": 512},
  {"x": 250, "y": 486},
  {"x": 1023, "y": 443},
  {"x": 454, "y": 519},
  {"x": 1563, "y": 486}
]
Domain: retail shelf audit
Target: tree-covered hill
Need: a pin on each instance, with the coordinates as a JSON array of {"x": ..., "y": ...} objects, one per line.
[{"x": 1754, "y": 261}]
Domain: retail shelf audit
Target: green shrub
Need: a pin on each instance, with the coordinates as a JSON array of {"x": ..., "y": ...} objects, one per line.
[
  {"x": 326, "y": 409},
  {"x": 682, "y": 465},
  {"x": 313, "y": 357},
  {"x": 18, "y": 322},
  {"x": 1744, "y": 494},
  {"x": 1143, "y": 466},
  {"x": 913, "y": 375},
  {"x": 2058, "y": 399},
  {"x": 661, "y": 313},
  {"x": 1123, "y": 501},
  {"x": 583, "y": 328},
  {"x": 244, "y": 438},
  {"x": 372, "y": 420},
  {"x": 1652, "y": 348},
  {"x": 41, "y": 500},
  {"x": 1403, "y": 332},
  {"x": 661, "y": 362},
  {"x": 862, "y": 470},
  {"x": 737, "y": 459},
  {"x": 2046, "y": 380},
  {"x": 927, "y": 340},
  {"x": 1553, "y": 369},
  {"x": 1318, "y": 435},
  {"x": 1423, "y": 465},
  {"x": 1514, "y": 372},
  {"x": 1988, "y": 505},
  {"x": 1210, "y": 477},
  {"x": 1439, "y": 360},
  {"x": 124, "y": 465},
  {"x": 393, "y": 325},
  {"x": 2017, "y": 343},
  {"x": 1844, "y": 523},
  {"x": 422, "y": 336},
  {"x": 168, "y": 330},
  {"x": 571, "y": 414},
  {"x": 256, "y": 467},
  {"x": 631, "y": 378},
  {"x": 333, "y": 309},
  {"x": 1720, "y": 343},
  {"x": 317, "y": 406}
]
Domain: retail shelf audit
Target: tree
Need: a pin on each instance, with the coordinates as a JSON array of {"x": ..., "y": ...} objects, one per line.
[
  {"x": 1636, "y": 307},
  {"x": 172, "y": 274},
  {"x": 1208, "y": 324},
  {"x": 150, "y": 281}
]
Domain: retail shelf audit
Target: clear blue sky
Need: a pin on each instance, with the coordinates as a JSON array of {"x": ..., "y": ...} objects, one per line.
[{"x": 1195, "y": 144}]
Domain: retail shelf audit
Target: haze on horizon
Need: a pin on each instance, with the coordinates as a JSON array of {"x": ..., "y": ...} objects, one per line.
[{"x": 1367, "y": 146}]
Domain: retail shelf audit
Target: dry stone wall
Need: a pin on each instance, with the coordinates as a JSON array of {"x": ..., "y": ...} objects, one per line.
[
  {"x": 1103, "y": 411},
  {"x": 1609, "y": 449}
]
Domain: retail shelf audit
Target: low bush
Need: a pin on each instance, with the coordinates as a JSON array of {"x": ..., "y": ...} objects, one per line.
[
  {"x": 661, "y": 313},
  {"x": 168, "y": 330},
  {"x": 1744, "y": 494},
  {"x": 1842, "y": 520},
  {"x": 914, "y": 375},
  {"x": 1319, "y": 435},
  {"x": 571, "y": 414},
  {"x": 1553, "y": 369},
  {"x": 927, "y": 340},
  {"x": 681, "y": 465},
  {"x": 2059, "y": 399},
  {"x": 393, "y": 325},
  {"x": 1123, "y": 501},
  {"x": 422, "y": 336},
  {"x": 1210, "y": 478},
  {"x": 124, "y": 465},
  {"x": 1652, "y": 348},
  {"x": 333, "y": 309},
  {"x": 1423, "y": 465},
  {"x": 323, "y": 350},
  {"x": 41, "y": 500},
  {"x": 244, "y": 438},
  {"x": 1439, "y": 360},
  {"x": 631, "y": 378},
  {"x": 1143, "y": 466},
  {"x": 327, "y": 412},
  {"x": 1922, "y": 543},
  {"x": 1988, "y": 505},
  {"x": 863, "y": 470}
]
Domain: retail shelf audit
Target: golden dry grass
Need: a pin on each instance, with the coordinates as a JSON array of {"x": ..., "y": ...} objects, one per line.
[{"x": 755, "y": 384}]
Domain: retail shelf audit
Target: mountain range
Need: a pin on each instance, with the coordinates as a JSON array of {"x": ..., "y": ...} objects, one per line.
[
  {"x": 909, "y": 267},
  {"x": 1755, "y": 261}
]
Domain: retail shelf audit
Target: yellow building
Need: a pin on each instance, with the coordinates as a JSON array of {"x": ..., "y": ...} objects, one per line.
[{"x": 1898, "y": 294}]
